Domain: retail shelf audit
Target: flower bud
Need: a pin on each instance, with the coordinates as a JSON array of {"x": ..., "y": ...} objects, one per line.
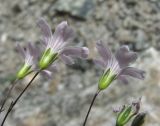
[
  {"x": 106, "y": 79},
  {"x": 24, "y": 71},
  {"x": 47, "y": 58},
  {"x": 124, "y": 116},
  {"x": 139, "y": 119}
]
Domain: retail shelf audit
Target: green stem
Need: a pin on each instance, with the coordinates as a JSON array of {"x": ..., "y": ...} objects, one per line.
[
  {"x": 93, "y": 100},
  {"x": 14, "y": 103}
]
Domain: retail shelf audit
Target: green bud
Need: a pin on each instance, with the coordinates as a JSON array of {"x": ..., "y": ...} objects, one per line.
[
  {"x": 47, "y": 58},
  {"x": 124, "y": 116},
  {"x": 106, "y": 79},
  {"x": 23, "y": 71},
  {"x": 139, "y": 119}
]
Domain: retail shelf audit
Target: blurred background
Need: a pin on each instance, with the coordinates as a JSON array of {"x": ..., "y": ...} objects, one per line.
[{"x": 64, "y": 99}]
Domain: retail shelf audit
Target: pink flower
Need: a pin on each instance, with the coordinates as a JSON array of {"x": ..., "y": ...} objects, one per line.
[
  {"x": 30, "y": 55},
  {"x": 117, "y": 66},
  {"x": 56, "y": 45}
]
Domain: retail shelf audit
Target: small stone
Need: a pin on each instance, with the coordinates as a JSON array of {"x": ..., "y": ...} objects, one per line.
[
  {"x": 78, "y": 8},
  {"x": 4, "y": 37},
  {"x": 124, "y": 36},
  {"x": 141, "y": 40}
]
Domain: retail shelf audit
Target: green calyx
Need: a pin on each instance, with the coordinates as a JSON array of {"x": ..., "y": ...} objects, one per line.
[
  {"x": 47, "y": 58},
  {"x": 24, "y": 71},
  {"x": 106, "y": 79},
  {"x": 124, "y": 116}
]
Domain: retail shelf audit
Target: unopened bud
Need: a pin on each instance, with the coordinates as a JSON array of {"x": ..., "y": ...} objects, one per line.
[
  {"x": 139, "y": 119},
  {"x": 124, "y": 116}
]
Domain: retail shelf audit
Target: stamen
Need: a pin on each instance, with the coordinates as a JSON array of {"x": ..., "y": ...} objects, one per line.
[{"x": 113, "y": 65}]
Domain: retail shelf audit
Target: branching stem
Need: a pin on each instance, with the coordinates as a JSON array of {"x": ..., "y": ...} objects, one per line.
[
  {"x": 14, "y": 103},
  {"x": 8, "y": 94}
]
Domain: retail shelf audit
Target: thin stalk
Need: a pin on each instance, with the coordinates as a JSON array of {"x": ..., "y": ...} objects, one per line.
[
  {"x": 14, "y": 103},
  {"x": 8, "y": 94},
  {"x": 93, "y": 100}
]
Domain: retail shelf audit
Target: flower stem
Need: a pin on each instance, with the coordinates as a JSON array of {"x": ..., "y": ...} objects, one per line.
[
  {"x": 8, "y": 94},
  {"x": 14, "y": 103},
  {"x": 96, "y": 94}
]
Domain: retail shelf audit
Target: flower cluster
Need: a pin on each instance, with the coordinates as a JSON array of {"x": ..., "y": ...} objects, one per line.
[{"x": 55, "y": 48}]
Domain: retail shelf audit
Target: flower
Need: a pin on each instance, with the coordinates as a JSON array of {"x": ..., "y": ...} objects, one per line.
[
  {"x": 127, "y": 112},
  {"x": 55, "y": 45},
  {"x": 30, "y": 55},
  {"x": 116, "y": 67}
]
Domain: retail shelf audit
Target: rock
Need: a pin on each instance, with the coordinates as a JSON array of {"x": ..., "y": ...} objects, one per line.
[
  {"x": 141, "y": 40},
  {"x": 125, "y": 36},
  {"x": 80, "y": 8},
  {"x": 64, "y": 100}
]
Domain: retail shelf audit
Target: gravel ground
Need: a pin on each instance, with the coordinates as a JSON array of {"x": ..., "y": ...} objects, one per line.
[{"x": 64, "y": 99}]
